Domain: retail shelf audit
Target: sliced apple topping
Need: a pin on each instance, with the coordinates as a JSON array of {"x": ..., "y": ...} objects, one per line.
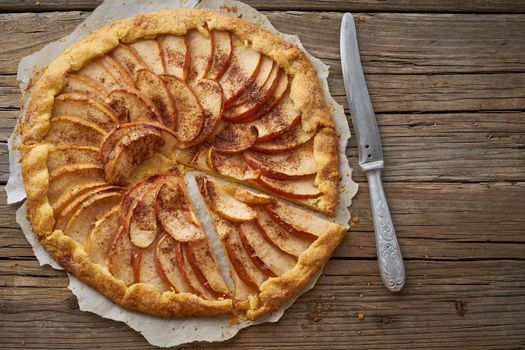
[
  {"x": 89, "y": 213},
  {"x": 168, "y": 266},
  {"x": 278, "y": 236},
  {"x": 129, "y": 59},
  {"x": 297, "y": 221},
  {"x": 243, "y": 69},
  {"x": 248, "y": 196},
  {"x": 96, "y": 71},
  {"x": 156, "y": 90},
  {"x": 274, "y": 261},
  {"x": 99, "y": 239},
  {"x": 302, "y": 188},
  {"x": 190, "y": 116},
  {"x": 255, "y": 97},
  {"x": 65, "y": 211},
  {"x": 280, "y": 92},
  {"x": 149, "y": 52},
  {"x": 170, "y": 214},
  {"x": 143, "y": 222},
  {"x": 67, "y": 130},
  {"x": 120, "y": 258},
  {"x": 240, "y": 259},
  {"x": 117, "y": 72},
  {"x": 76, "y": 83},
  {"x": 147, "y": 268},
  {"x": 231, "y": 165},
  {"x": 59, "y": 156},
  {"x": 225, "y": 204},
  {"x": 67, "y": 180},
  {"x": 131, "y": 106},
  {"x": 82, "y": 106},
  {"x": 201, "y": 51},
  {"x": 281, "y": 119},
  {"x": 204, "y": 265},
  {"x": 233, "y": 138},
  {"x": 289, "y": 141},
  {"x": 209, "y": 94},
  {"x": 175, "y": 55},
  {"x": 222, "y": 53},
  {"x": 134, "y": 148},
  {"x": 295, "y": 163}
]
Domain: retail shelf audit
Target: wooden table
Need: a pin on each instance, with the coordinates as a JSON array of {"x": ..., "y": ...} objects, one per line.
[{"x": 447, "y": 79}]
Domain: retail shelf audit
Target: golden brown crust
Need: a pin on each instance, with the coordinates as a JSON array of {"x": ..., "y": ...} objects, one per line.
[
  {"x": 276, "y": 291},
  {"x": 307, "y": 97}
]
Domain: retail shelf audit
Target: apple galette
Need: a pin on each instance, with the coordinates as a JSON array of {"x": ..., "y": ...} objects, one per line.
[{"x": 119, "y": 118}]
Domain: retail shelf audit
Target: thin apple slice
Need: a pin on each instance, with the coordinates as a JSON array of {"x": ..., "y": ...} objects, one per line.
[
  {"x": 209, "y": 94},
  {"x": 131, "y": 197},
  {"x": 99, "y": 240},
  {"x": 59, "y": 156},
  {"x": 231, "y": 165},
  {"x": 68, "y": 179},
  {"x": 222, "y": 53},
  {"x": 80, "y": 105},
  {"x": 256, "y": 97},
  {"x": 76, "y": 83},
  {"x": 131, "y": 106},
  {"x": 268, "y": 68},
  {"x": 129, "y": 59},
  {"x": 193, "y": 275},
  {"x": 175, "y": 55},
  {"x": 201, "y": 53},
  {"x": 280, "y": 92},
  {"x": 149, "y": 52},
  {"x": 301, "y": 188},
  {"x": 273, "y": 258},
  {"x": 261, "y": 265},
  {"x": 243, "y": 69},
  {"x": 143, "y": 221},
  {"x": 297, "y": 221},
  {"x": 168, "y": 267},
  {"x": 283, "y": 118},
  {"x": 190, "y": 116},
  {"x": 64, "y": 212},
  {"x": 278, "y": 236},
  {"x": 226, "y": 205},
  {"x": 96, "y": 71},
  {"x": 172, "y": 218},
  {"x": 156, "y": 90},
  {"x": 132, "y": 150},
  {"x": 117, "y": 72},
  {"x": 289, "y": 141},
  {"x": 248, "y": 196},
  {"x": 120, "y": 258},
  {"x": 89, "y": 213},
  {"x": 205, "y": 268},
  {"x": 241, "y": 261},
  {"x": 233, "y": 138},
  {"x": 67, "y": 130},
  {"x": 293, "y": 164},
  {"x": 110, "y": 141},
  {"x": 148, "y": 272}
]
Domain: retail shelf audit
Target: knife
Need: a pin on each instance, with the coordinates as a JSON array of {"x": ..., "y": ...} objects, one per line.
[{"x": 370, "y": 157}]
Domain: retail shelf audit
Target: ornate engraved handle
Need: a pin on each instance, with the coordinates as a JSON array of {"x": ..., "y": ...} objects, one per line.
[{"x": 388, "y": 253}]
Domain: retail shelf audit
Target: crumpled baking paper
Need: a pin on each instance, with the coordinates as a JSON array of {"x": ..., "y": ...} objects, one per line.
[{"x": 159, "y": 331}]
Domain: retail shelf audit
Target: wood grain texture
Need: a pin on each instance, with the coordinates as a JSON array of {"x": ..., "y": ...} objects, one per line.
[
  {"x": 477, "y": 305},
  {"x": 474, "y": 6},
  {"x": 449, "y": 92}
]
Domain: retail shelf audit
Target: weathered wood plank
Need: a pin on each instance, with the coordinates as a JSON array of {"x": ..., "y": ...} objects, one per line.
[
  {"x": 474, "y": 305},
  {"x": 475, "y": 6},
  {"x": 390, "y": 43},
  {"x": 481, "y": 221}
]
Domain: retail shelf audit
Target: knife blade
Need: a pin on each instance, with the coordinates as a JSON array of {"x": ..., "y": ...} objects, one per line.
[{"x": 389, "y": 256}]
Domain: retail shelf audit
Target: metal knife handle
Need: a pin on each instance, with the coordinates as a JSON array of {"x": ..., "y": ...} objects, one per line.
[{"x": 388, "y": 251}]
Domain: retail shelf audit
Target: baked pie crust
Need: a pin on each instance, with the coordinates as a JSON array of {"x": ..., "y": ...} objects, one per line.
[{"x": 119, "y": 117}]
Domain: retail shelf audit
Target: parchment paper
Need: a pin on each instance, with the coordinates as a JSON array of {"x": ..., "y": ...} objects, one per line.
[{"x": 160, "y": 331}]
